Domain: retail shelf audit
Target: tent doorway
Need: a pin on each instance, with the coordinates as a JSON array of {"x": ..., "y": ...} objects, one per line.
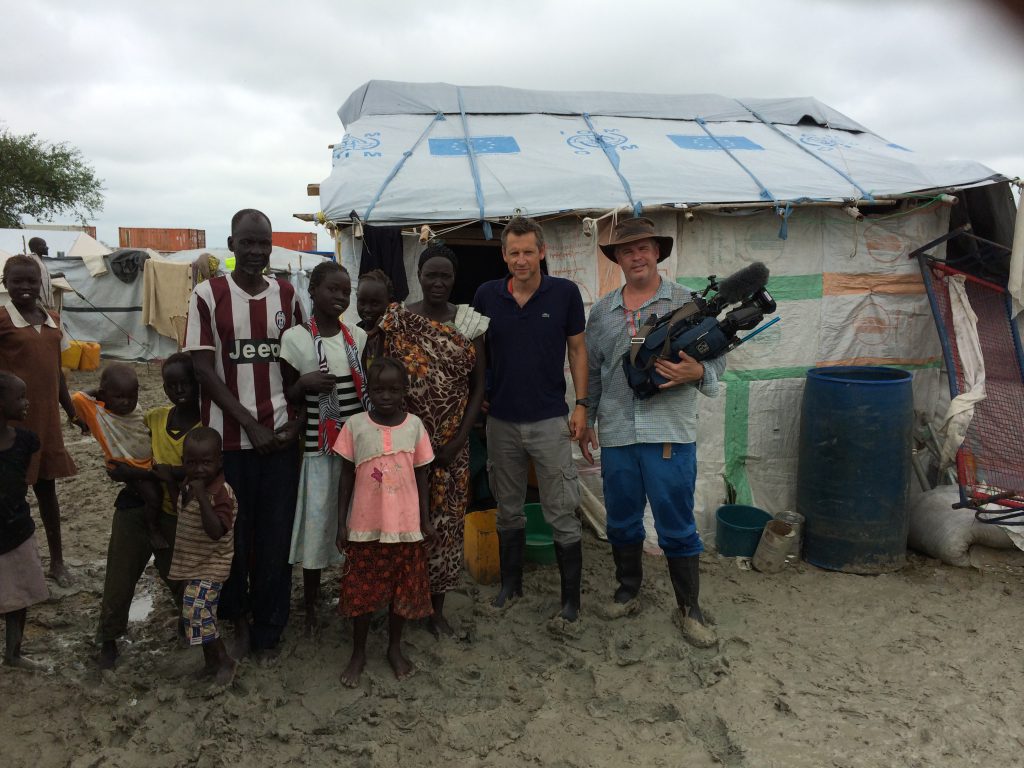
[{"x": 479, "y": 261}]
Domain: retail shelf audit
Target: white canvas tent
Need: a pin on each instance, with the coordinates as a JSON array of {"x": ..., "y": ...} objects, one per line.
[
  {"x": 103, "y": 308},
  {"x": 78, "y": 245},
  {"x": 62, "y": 243},
  {"x": 733, "y": 181},
  {"x": 430, "y": 152}
]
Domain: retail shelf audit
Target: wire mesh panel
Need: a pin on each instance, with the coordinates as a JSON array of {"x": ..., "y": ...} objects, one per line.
[{"x": 990, "y": 461}]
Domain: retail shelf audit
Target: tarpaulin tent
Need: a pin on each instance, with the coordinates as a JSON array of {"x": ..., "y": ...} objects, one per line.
[
  {"x": 830, "y": 207},
  {"x": 61, "y": 243},
  {"x": 105, "y": 309}
]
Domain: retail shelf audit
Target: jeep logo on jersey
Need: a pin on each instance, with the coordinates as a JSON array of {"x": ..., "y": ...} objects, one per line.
[
  {"x": 279, "y": 320},
  {"x": 247, "y": 351}
]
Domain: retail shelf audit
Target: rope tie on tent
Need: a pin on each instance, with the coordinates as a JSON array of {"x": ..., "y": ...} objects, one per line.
[
  {"x": 398, "y": 166},
  {"x": 471, "y": 154},
  {"x": 863, "y": 192},
  {"x": 785, "y": 213},
  {"x": 765, "y": 193},
  {"x": 613, "y": 157}
]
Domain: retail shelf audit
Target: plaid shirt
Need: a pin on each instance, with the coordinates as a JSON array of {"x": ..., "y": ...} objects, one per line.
[{"x": 622, "y": 419}]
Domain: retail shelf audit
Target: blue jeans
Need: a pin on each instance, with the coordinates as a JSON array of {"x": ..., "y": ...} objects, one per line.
[
  {"x": 261, "y": 576},
  {"x": 634, "y": 473}
]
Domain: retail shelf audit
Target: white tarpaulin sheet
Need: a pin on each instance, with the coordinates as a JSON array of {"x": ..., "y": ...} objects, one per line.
[
  {"x": 410, "y": 155},
  {"x": 847, "y": 295},
  {"x": 953, "y": 428},
  {"x": 109, "y": 311}
]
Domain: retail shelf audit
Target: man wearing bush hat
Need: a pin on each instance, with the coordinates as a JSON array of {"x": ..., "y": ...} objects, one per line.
[{"x": 648, "y": 448}]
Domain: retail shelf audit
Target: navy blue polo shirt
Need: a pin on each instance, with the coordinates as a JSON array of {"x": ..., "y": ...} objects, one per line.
[{"x": 526, "y": 347}]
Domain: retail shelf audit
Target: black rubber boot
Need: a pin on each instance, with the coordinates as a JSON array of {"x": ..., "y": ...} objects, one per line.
[
  {"x": 629, "y": 571},
  {"x": 511, "y": 548},
  {"x": 570, "y": 569},
  {"x": 685, "y": 575}
]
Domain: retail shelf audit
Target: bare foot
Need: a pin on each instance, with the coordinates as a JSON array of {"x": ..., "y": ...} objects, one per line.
[
  {"x": 205, "y": 672},
  {"x": 108, "y": 655},
  {"x": 438, "y": 625},
  {"x": 401, "y": 665},
  {"x": 60, "y": 574},
  {"x": 181, "y": 634},
  {"x": 225, "y": 674},
  {"x": 157, "y": 540},
  {"x": 20, "y": 662},
  {"x": 312, "y": 624},
  {"x": 350, "y": 677},
  {"x": 242, "y": 644}
]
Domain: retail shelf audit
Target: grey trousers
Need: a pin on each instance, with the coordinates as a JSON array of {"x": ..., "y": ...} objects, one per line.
[{"x": 509, "y": 448}]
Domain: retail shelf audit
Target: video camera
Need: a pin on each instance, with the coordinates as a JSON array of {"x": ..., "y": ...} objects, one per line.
[{"x": 695, "y": 329}]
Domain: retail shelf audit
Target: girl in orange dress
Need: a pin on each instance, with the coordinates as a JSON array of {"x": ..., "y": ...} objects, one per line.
[{"x": 30, "y": 347}]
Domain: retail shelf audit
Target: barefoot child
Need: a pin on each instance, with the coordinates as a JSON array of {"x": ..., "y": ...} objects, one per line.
[
  {"x": 130, "y": 549},
  {"x": 320, "y": 364},
  {"x": 114, "y": 418},
  {"x": 204, "y": 547},
  {"x": 386, "y": 454},
  {"x": 30, "y": 347},
  {"x": 21, "y": 573}
]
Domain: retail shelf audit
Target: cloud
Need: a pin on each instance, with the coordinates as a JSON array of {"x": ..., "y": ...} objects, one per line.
[{"x": 191, "y": 110}]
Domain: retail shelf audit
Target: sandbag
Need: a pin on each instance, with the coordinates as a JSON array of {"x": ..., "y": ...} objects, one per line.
[{"x": 938, "y": 530}]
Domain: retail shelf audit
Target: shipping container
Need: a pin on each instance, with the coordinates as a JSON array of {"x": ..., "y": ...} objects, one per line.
[
  {"x": 161, "y": 239},
  {"x": 296, "y": 241}
]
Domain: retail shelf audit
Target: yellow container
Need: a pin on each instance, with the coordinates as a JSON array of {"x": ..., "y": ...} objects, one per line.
[
  {"x": 71, "y": 357},
  {"x": 481, "y": 546},
  {"x": 90, "y": 356}
]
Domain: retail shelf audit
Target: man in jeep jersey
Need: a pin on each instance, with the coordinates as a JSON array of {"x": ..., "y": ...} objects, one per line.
[{"x": 234, "y": 332}]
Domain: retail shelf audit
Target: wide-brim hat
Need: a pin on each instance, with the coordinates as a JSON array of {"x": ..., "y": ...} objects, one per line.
[{"x": 631, "y": 230}]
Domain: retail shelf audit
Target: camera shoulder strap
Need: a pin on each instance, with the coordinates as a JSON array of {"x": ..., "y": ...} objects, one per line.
[{"x": 687, "y": 310}]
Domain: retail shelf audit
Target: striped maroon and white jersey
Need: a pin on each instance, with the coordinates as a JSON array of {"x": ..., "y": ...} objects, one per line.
[{"x": 244, "y": 332}]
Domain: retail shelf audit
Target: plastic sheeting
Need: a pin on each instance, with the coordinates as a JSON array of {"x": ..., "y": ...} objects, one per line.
[
  {"x": 846, "y": 292},
  {"x": 953, "y": 428},
  {"x": 106, "y": 310},
  {"x": 406, "y": 157}
]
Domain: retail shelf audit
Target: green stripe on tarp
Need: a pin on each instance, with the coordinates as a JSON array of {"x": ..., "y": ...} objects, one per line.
[
  {"x": 800, "y": 371},
  {"x": 781, "y": 287},
  {"x": 737, "y": 417},
  {"x": 737, "y": 413}
]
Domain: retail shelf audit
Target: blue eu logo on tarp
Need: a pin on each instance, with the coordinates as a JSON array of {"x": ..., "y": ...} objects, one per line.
[
  {"x": 707, "y": 143},
  {"x": 350, "y": 144},
  {"x": 825, "y": 143},
  {"x": 482, "y": 145},
  {"x": 584, "y": 142}
]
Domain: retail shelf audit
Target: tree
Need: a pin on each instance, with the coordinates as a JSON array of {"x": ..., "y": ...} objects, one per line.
[{"x": 42, "y": 180}]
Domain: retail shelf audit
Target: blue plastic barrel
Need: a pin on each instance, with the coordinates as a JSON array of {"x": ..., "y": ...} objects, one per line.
[{"x": 854, "y": 468}]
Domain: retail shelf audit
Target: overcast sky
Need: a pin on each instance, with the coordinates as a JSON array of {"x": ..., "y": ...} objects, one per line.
[{"x": 191, "y": 110}]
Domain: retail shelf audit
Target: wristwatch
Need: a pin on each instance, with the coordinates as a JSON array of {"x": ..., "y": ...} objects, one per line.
[{"x": 584, "y": 401}]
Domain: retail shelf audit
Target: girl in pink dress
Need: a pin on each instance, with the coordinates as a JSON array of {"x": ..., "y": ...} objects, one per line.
[{"x": 386, "y": 454}]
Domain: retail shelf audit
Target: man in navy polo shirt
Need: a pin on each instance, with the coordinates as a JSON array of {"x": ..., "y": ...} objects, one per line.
[{"x": 534, "y": 319}]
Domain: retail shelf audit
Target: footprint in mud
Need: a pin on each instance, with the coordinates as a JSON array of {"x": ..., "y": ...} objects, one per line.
[
  {"x": 713, "y": 732},
  {"x": 626, "y": 651}
]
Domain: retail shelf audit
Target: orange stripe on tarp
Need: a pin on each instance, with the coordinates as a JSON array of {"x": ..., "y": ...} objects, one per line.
[
  {"x": 843, "y": 284},
  {"x": 880, "y": 361}
]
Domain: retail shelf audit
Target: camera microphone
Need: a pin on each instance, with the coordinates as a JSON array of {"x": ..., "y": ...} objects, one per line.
[{"x": 742, "y": 283}]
